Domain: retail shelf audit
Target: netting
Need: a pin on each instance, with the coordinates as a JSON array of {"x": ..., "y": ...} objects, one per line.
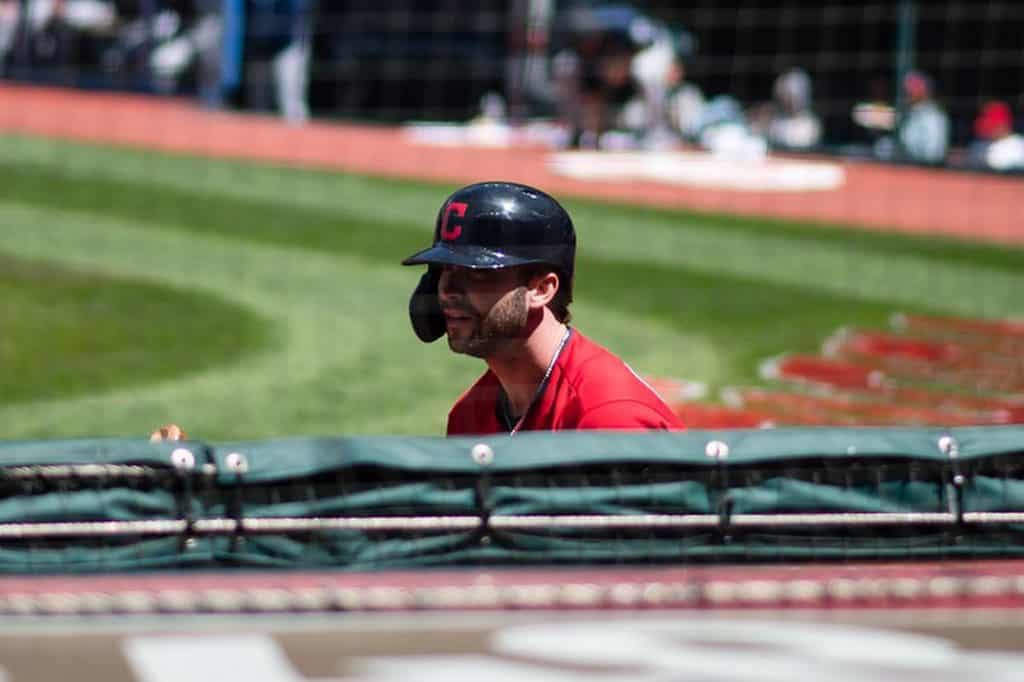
[
  {"x": 437, "y": 60},
  {"x": 572, "y": 499}
]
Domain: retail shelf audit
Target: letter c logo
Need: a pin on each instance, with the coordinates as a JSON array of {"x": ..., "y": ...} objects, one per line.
[{"x": 452, "y": 233}]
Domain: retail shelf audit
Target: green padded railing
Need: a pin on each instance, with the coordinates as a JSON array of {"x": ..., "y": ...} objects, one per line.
[{"x": 570, "y": 498}]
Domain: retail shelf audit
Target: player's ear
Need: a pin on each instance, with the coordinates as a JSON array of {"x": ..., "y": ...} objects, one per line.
[{"x": 542, "y": 288}]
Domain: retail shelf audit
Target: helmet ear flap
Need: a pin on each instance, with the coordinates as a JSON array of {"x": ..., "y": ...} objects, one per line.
[{"x": 425, "y": 308}]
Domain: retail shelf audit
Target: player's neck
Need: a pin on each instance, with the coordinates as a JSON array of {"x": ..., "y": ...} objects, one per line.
[{"x": 521, "y": 369}]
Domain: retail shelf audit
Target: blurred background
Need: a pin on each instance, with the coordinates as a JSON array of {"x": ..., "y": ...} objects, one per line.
[{"x": 840, "y": 63}]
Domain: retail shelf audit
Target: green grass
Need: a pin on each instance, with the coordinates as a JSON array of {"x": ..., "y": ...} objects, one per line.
[
  {"x": 287, "y": 287},
  {"x": 70, "y": 332}
]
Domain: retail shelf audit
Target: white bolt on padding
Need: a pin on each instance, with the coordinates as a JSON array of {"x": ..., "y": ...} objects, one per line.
[
  {"x": 237, "y": 462},
  {"x": 182, "y": 458},
  {"x": 716, "y": 449},
  {"x": 482, "y": 454},
  {"x": 949, "y": 446}
]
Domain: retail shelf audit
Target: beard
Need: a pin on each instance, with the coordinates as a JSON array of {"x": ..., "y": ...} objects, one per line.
[{"x": 491, "y": 333}]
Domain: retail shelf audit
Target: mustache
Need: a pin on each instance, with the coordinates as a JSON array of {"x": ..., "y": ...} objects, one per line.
[{"x": 456, "y": 308}]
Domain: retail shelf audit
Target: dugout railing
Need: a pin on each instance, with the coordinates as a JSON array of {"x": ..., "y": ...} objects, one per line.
[{"x": 573, "y": 498}]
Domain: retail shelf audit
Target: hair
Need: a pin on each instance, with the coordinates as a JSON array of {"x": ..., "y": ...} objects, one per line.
[{"x": 559, "y": 305}]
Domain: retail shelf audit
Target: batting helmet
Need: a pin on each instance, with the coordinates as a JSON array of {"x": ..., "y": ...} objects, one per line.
[{"x": 491, "y": 225}]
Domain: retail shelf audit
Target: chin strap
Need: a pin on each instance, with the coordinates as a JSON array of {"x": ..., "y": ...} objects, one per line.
[{"x": 425, "y": 309}]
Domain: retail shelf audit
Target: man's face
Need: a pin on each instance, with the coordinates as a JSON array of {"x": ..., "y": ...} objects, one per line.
[
  {"x": 615, "y": 70},
  {"x": 485, "y": 310},
  {"x": 916, "y": 88}
]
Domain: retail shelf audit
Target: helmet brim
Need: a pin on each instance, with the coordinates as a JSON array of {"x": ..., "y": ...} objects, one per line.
[{"x": 467, "y": 256}]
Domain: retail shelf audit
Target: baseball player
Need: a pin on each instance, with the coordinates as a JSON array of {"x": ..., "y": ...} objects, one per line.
[{"x": 499, "y": 284}]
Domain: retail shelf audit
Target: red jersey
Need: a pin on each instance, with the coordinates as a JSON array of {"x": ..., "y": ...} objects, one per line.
[{"x": 588, "y": 388}]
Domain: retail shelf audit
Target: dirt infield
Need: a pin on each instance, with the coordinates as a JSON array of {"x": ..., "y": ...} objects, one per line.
[{"x": 874, "y": 196}]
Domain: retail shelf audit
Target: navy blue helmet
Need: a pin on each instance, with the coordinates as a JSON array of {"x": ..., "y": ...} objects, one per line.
[{"x": 491, "y": 225}]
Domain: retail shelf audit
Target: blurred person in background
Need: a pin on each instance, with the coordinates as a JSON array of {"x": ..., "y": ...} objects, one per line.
[
  {"x": 668, "y": 107},
  {"x": 10, "y": 18},
  {"x": 593, "y": 71},
  {"x": 724, "y": 130},
  {"x": 685, "y": 99},
  {"x": 254, "y": 53},
  {"x": 669, "y": 110},
  {"x": 788, "y": 122},
  {"x": 874, "y": 117},
  {"x": 996, "y": 146},
  {"x": 162, "y": 46},
  {"x": 277, "y": 49},
  {"x": 61, "y": 40},
  {"x": 192, "y": 49},
  {"x": 921, "y": 133}
]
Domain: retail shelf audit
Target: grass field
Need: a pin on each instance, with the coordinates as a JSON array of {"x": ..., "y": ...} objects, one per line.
[{"x": 247, "y": 301}]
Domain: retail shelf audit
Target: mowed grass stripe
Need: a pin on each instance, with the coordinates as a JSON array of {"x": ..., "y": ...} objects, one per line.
[
  {"x": 393, "y": 201},
  {"x": 377, "y": 199},
  {"x": 66, "y": 329}
]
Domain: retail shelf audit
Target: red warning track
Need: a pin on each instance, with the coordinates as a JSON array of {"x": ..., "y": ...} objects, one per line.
[{"x": 875, "y": 196}]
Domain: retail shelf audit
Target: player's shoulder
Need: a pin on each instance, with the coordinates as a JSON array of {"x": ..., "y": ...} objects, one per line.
[
  {"x": 609, "y": 394},
  {"x": 598, "y": 375}
]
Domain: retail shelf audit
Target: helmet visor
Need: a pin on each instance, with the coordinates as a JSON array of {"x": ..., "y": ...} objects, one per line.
[{"x": 467, "y": 256}]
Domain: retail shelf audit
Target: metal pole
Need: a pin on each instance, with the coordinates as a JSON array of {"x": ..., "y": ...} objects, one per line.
[
  {"x": 515, "y": 57},
  {"x": 905, "y": 50},
  {"x": 529, "y": 41},
  {"x": 23, "y": 42}
]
